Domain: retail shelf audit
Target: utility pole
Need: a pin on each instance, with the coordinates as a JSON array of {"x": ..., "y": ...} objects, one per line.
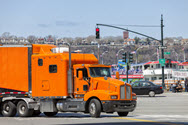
[
  {"x": 98, "y": 56},
  {"x": 127, "y": 72},
  {"x": 162, "y": 51}
]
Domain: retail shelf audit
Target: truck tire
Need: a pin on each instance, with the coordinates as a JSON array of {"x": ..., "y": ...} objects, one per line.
[
  {"x": 95, "y": 108},
  {"x": 23, "y": 110},
  {"x": 50, "y": 114},
  {"x": 8, "y": 109},
  {"x": 151, "y": 94},
  {"x": 123, "y": 113}
]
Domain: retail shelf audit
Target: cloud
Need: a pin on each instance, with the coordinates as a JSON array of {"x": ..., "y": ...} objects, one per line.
[
  {"x": 66, "y": 23},
  {"x": 43, "y": 25}
]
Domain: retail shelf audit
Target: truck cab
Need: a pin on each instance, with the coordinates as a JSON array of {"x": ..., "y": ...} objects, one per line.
[{"x": 93, "y": 81}]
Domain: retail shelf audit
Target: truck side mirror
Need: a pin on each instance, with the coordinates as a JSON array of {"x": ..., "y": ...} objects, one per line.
[
  {"x": 117, "y": 75},
  {"x": 80, "y": 75}
]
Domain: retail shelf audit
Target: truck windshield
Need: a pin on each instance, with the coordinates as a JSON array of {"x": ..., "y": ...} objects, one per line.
[{"x": 99, "y": 71}]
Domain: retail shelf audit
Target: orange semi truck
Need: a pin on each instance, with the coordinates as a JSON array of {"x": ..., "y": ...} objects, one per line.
[{"x": 47, "y": 79}]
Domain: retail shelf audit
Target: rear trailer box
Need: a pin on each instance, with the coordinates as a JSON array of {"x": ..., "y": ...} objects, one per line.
[{"x": 15, "y": 65}]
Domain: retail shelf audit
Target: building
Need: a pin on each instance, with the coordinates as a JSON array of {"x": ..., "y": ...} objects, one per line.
[
  {"x": 182, "y": 72},
  {"x": 184, "y": 41},
  {"x": 125, "y": 35},
  {"x": 129, "y": 42},
  {"x": 152, "y": 70}
]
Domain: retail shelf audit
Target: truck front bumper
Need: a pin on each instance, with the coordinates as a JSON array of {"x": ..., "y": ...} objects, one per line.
[{"x": 119, "y": 106}]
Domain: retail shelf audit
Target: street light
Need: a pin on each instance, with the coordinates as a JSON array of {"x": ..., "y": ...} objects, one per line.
[
  {"x": 152, "y": 56},
  {"x": 176, "y": 54},
  {"x": 102, "y": 55},
  {"x": 136, "y": 52},
  {"x": 118, "y": 54},
  {"x": 184, "y": 53}
]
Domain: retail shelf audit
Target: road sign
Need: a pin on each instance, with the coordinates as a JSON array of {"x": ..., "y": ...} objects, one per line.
[
  {"x": 167, "y": 53},
  {"x": 162, "y": 62},
  {"x": 162, "y": 47}
]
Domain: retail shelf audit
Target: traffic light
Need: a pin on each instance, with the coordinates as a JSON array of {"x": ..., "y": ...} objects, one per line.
[
  {"x": 97, "y": 33},
  {"x": 124, "y": 57},
  {"x": 130, "y": 58}
]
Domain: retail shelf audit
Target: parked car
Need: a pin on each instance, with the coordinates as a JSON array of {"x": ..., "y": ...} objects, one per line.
[{"x": 146, "y": 88}]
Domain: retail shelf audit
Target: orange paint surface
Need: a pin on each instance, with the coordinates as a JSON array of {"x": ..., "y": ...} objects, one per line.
[{"x": 14, "y": 68}]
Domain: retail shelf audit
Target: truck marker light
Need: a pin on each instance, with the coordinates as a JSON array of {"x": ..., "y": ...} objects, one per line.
[
  {"x": 134, "y": 97},
  {"x": 113, "y": 97}
]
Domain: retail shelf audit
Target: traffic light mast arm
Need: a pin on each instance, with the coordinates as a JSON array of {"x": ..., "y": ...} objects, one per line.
[{"x": 128, "y": 31}]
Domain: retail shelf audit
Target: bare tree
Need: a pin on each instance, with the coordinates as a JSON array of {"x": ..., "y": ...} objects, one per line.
[
  {"x": 5, "y": 35},
  {"x": 31, "y": 39}
]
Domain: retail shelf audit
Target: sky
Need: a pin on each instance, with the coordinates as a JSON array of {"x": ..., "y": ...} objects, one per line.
[{"x": 78, "y": 18}]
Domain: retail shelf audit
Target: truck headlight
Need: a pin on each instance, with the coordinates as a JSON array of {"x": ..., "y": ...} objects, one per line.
[
  {"x": 113, "y": 96},
  {"x": 134, "y": 97}
]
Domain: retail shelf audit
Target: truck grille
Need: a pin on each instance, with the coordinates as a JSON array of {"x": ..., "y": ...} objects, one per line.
[
  {"x": 122, "y": 92},
  {"x": 128, "y": 92}
]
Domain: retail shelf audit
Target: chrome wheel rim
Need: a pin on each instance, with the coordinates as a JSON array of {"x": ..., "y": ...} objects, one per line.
[
  {"x": 22, "y": 109},
  {"x": 7, "y": 109},
  {"x": 92, "y": 108}
]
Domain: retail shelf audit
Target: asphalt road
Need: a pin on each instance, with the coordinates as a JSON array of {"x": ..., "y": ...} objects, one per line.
[{"x": 165, "y": 109}]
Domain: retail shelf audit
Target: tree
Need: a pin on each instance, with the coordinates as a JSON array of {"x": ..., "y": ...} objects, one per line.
[
  {"x": 78, "y": 40},
  {"x": 5, "y": 35},
  {"x": 89, "y": 39},
  {"x": 137, "y": 40},
  {"x": 31, "y": 39},
  {"x": 148, "y": 41},
  {"x": 68, "y": 40}
]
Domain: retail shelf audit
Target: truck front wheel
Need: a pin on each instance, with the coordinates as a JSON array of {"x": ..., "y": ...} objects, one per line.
[
  {"x": 95, "y": 108},
  {"x": 123, "y": 113},
  {"x": 23, "y": 110},
  {"x": 8, "y": 109}
]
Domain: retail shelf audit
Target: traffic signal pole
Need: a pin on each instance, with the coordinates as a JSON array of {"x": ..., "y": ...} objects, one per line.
[
  {"x": 125, "y": 30},
  {"x": 127, "y": 73},
  {"x": 161, "y": 41},
  {"x": 162, "y": 51}
]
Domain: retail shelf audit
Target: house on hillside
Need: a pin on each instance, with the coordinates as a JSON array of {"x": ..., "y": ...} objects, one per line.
[
  {"x": 129, "y": 42},
  {"x": 184, "y": 41}
]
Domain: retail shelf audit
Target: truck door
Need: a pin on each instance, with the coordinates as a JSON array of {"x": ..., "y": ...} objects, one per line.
[{"x": 81, "y": 85}]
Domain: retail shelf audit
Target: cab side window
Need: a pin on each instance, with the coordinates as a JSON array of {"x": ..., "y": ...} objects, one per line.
[
  {"x": 53, "y": 68},
  {"x": 40, "y": 62},
  {"x": 84, "y": 72}
]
